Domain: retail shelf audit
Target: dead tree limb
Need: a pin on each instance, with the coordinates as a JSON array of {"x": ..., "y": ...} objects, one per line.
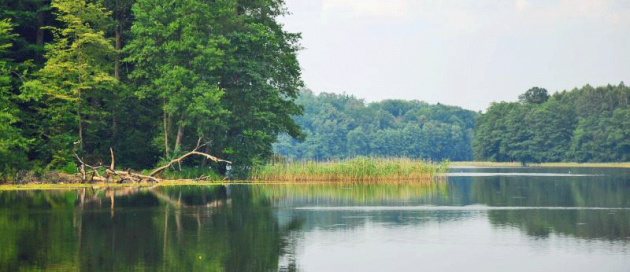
[
  {"x": 158, "y": 171},
  {"x": 195, "y": 151},
  {"x": 135, "y": 177}
]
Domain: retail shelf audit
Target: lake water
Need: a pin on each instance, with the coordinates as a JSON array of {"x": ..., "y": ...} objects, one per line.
[{"x": 477, "y": 219}]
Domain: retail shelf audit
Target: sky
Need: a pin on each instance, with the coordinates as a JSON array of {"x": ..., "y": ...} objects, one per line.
[{"x": 467, "y": 53}]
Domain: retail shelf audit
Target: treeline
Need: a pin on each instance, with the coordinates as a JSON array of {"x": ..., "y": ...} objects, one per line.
[
  {"x": 145, "y": 77},
  {"x": 342, "y": 126},
  {"x": 583, "y": 125}
]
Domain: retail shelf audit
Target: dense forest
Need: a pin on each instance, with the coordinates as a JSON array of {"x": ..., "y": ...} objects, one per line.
[
  {"x": 148, "y": 78},
  {"x": 342, "y": 126},
  {"x": 583, "y": 125}
]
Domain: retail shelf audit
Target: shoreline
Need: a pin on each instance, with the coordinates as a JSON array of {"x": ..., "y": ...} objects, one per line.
[
  {"x": 185, "y": 182},
  {"x": 542, "y": 165}
]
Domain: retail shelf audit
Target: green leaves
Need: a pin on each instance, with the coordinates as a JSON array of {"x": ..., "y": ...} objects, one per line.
[
  {"x": 584, "y": 125},
  {"x": 12, "y": 144},
  {"x": 342, "y": 126},
  {"x": 176, "y": 53},
  {"x": 76, "y": 81}
]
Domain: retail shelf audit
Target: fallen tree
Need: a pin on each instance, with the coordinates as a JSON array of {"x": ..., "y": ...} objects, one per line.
[{"x": 91, "y": 173}]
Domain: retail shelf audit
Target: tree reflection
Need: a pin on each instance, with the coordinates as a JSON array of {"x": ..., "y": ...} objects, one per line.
[
  {"x": 197, "y": 228},
  {"x": 579, "y": 194}
]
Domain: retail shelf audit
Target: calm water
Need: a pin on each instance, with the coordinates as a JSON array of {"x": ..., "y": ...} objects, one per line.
[{"x": 480, "y": 219}]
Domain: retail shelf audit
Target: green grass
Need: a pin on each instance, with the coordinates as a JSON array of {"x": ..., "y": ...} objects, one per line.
[
  {"x": 360, "y": 169},
  {"x": 192, "y": 173},
  {"x": 553, "y": 164}
]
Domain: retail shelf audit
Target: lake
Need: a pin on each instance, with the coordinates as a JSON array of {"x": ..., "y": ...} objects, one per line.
[{"x": 476, "y": 219}]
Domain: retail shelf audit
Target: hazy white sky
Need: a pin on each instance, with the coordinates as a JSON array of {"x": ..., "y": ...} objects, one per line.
[{"x": 460, "y": 52}]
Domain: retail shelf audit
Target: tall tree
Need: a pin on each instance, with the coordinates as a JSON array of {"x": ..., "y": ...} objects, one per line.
[
  {"x": 77, "y": 76},
  {"x": 12, "y": 144},
  {"x": 177, "y": 51},
  {"x": 261, "y": 77},
  {"x": 534, "y": 95}
]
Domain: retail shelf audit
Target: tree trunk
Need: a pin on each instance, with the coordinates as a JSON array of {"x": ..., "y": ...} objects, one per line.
[
  {"x": 118, "y": 45},
  {"x": 206, "y": 150},
  {"x": 116, "y": 71},
  {"x": 178, "y": 140},
  {"x": 39, "y": 38},
  {"x": 40, "y": 25},
  {"x": 165, "y": 130},
  {"x": 114, "y": 121},
  {"x": 80, "y": 122}
]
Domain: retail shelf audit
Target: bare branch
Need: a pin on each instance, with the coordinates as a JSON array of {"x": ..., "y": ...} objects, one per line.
[{"x": 207, "y": 156}]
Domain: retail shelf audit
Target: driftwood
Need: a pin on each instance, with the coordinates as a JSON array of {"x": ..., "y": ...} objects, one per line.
[{"x": 111, "y": 173}]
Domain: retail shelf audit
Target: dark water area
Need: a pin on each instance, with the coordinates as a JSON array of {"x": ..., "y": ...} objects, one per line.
[{"x": 477, "y": 219}]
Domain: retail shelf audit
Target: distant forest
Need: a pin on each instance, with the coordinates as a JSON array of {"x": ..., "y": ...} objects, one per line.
[
  {"x": 343, "y": 126},
  {"x": 583, "y": 125}
]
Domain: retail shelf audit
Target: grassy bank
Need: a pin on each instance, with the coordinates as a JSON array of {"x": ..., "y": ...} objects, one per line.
[
  {"x": 354, "y": 170},
  {"x": 553, "y": 164}
]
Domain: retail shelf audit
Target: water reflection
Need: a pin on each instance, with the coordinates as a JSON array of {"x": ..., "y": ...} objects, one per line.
[
  {"x": 590, "y": 196},
  {"x": 159, "y": 229},
  {"x": 295, "y": 227}
]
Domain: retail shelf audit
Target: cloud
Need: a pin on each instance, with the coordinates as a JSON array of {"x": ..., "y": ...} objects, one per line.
[
  {"x": 369, "y": 8},
  {"x": 464, "y": 16}
]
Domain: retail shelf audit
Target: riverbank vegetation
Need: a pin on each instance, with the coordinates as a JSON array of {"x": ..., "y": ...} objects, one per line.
[{"x": 360, "y": 169}]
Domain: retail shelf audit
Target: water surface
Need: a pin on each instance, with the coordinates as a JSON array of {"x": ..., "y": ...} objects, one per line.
[{"x": 479, "y": 219}]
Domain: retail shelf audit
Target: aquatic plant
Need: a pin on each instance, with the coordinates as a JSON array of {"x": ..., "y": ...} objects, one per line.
[{"x": 360, "y": 169}]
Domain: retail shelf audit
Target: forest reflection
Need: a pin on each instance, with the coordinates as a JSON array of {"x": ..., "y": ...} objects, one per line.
[
  {"x": 195, "y": 228},
  {"x": 599, "y": 206},
  {"x": 258, "y": 227}
]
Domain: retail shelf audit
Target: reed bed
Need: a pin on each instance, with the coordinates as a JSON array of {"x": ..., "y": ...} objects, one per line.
[{"x": 355, "y": 170}]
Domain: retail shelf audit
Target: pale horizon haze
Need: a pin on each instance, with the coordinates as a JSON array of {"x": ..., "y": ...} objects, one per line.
[{"x": 458, "y": 52}]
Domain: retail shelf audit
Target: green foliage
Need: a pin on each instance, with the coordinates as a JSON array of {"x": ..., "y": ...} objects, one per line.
[
  {"x": 261, "y": 78},
  {"x": 31, "y": 18},
  {"x": 74, "y": 87},
  {"x": 12, "y": 144},
  {"x": 192, "y": 173},
  {"x": 225, "y": 71},
  {"x": 534, "y": 95},
  {"x": 584, "y": 125},
  {"x": 69, "y": 168},
  {"x": 176, "y": 52},
  {"x": 342, "y": 126},
  {"x": 222, "y": 70}
]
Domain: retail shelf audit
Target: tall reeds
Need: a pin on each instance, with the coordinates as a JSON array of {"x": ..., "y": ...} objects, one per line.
[{"x": 359, "y": 169}]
